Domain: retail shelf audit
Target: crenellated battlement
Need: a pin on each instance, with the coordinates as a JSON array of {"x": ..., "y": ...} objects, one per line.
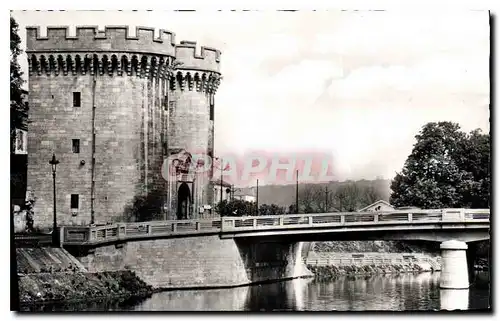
[
  {"x": 113, "y": 51},
  {"x": 208, "y": 60},
  {"x": 201, "y": 81},
  {"x": 91, "y": 39},
  {"x": 141, "y": 65}
]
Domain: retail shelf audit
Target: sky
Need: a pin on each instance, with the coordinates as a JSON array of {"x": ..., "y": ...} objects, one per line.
[{"x": 356, "y": 84}]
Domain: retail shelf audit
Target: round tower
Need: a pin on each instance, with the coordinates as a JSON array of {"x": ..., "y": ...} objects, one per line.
[
  {"x": 98, "y": 100},
  {"x": 191, "y": 125}
]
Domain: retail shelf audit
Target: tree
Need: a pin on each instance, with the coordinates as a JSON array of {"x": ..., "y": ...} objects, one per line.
[
  {"x": 371, "y": 195},
  {"x": 446, "y": 168},
  {"x": 272, "y": 209},
  {"x": 18, "y": 110},
  {"x": 235, "y": 207},
  {"x": 308, "y": 198},
  {"x": 348, "y": 198}
]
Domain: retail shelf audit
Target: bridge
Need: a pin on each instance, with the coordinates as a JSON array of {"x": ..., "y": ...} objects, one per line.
[
  {"x": 466, "y": 225},
  {"x": 232, "y": 251}
]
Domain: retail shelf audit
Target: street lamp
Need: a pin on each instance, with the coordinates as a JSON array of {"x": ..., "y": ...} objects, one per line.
[{"x": 54, "y": 162}]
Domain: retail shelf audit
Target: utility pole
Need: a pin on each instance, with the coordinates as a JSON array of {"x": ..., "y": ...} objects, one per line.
[
  {"x": 297, "y": 194},
  {"x": 326, "y": 198},
  {"x": 257, "y": 199},
  {"x": 221, "y": 170}
]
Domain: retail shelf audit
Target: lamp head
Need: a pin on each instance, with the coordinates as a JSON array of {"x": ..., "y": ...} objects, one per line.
[{"x": 54, "y": 162}]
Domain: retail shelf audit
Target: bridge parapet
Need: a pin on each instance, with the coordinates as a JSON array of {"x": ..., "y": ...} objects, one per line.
[{"x": 94, "y": 235}]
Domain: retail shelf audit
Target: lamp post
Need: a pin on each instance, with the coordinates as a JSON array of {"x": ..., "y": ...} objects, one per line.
[
  {"x": 297, "y": 194},
  {"x": 221, "y": 172},
  {"x": 257, "y": 199},
  {"x": 55, "y": 237}
]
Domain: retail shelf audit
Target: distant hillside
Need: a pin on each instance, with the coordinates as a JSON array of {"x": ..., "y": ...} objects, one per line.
[{"x": 284, "y": 195}]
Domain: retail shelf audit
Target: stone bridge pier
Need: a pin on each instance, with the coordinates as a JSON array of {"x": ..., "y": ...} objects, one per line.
[{"x": 457, "y": 265}]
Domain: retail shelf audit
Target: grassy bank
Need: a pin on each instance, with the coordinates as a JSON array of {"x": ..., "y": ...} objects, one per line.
[{"x": 66, "y": 287}]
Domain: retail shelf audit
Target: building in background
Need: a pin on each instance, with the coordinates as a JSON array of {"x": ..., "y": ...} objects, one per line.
[
  {"x": 226, "y": 191},
  {"x": 248, "y": 196},
  {"x": 378, "y": 206},
  {"x": 19, "y": 160}
]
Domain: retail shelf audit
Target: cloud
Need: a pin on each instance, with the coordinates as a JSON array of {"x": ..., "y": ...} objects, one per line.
[{"x": 439, "y": 74}]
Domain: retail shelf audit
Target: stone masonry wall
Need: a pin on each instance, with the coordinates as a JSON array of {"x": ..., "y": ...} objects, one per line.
[
  {"x": 189, "y": 129},
  {"x": 200, "y": 261},
  {"x": 128, "y": 154},
  {"x": 54, "y": 122},
  {"x": 119, "y": 161}
]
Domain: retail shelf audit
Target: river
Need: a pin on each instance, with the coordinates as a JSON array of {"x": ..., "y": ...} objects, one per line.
[{"x": 360, "y": 293}]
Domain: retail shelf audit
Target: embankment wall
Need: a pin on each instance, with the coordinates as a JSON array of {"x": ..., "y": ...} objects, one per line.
[{"x": 199, "y": 262}]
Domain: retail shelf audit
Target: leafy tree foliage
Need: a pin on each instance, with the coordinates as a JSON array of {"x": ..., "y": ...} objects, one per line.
[
  {"x": 18, "y": 110},
  {"x": 236, "y": 207},
  {"x": 272, "y": 209},
  {"x": 347, "y": 197},
  {"x": 446, "y": 168}
]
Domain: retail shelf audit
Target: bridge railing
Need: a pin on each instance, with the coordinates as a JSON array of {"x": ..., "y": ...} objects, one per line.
[
  {"x": 368, "y": 258},
  {"x": 122, "y": 231},
  {"x": 354, "y": 218}
]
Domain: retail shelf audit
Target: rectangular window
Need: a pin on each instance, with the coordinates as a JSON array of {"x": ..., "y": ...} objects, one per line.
[
  {"x": 76, "y": 146},
  {"x": 74, "y": 201},
  {"x": 76, "y": 99},
  {"x": 212, "y": 107}
]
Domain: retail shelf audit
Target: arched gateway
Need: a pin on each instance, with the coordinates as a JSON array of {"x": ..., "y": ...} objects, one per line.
[{"x": 183, "y": 201}]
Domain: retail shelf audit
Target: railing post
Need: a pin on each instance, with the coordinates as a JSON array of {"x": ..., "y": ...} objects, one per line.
[
  {"x": 148, "y": 229},
  {"x": 254, "y": 222},
  {"x": 410, "y": 217},
  {"x": 342, "y": 219},
  {"x": 309, "y": 220},
  {"x": 105, "y": 233},
  {"x": 281, "y": 221},
  {"x": 375, "y": 218},
  {"x": 62, "y": 230},
  {"x": 197, "y": 226},
  {"x": 174, "y": 227},
  {"x": 119, "y": 233}
]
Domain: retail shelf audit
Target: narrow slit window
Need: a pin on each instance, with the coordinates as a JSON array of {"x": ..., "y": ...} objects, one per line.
[
  {"x": 76, "y": 99},
  {"x": 76, "y": 146},
  {"x": 75, "y": 200},
  {"x": 212, "y": 107}
]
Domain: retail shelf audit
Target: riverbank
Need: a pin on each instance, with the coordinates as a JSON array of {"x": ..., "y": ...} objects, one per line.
[
  {"x": 66, "y": 287},
  {"x": 331, "y": 272}
]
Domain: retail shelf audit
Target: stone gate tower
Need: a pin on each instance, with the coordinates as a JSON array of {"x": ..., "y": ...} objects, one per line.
[
  {"x": 191, "y": 124},
  {"x": 112, "y": 107}
]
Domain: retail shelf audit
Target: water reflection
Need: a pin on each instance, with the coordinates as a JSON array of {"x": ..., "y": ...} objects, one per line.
[
  {"x": 452, "y": 299},
  {"x": 232, "y": 299},
  {"x": 408, "y": 292},
  {"x": 352, "y": 293}
]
